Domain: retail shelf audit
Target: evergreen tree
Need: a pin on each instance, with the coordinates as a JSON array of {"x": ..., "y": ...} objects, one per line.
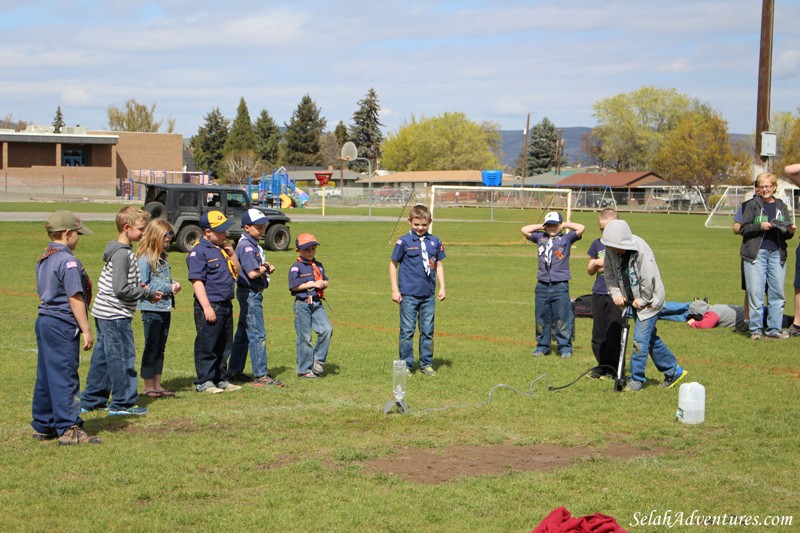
[
  {"x": 341, "y": 134},
  {"x": 241, "y": 136},
  {"x": 542, "y": 147},
  {"x": 209, "y": 143},
  {"x": 303, "y": 134},
  {"x": 58, "y": 121},
  {"x": 365, "y": 132},
  {"x": 268, "y": 137}
]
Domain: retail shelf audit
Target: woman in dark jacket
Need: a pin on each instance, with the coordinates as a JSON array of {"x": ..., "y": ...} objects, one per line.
[{"x": 766, "y": 226}]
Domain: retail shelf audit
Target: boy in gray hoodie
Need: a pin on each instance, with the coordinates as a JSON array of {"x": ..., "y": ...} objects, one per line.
[
  {"x": 633, "y": 280},
  {"x": 112, "y": 372}
]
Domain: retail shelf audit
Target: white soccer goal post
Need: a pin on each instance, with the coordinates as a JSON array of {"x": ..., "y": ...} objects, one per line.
[
  {"x": 723, "y": 213},
  {"x": 490, "y": 199}
]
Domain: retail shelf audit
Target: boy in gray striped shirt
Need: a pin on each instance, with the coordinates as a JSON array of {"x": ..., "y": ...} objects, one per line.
[{"x": 112, "y": 372}]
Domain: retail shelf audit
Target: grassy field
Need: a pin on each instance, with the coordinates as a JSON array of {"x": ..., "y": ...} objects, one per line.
[{"x": 294, "y": 459}]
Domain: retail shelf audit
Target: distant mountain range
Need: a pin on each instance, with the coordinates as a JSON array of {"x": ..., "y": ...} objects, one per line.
[{"x": 514, "y": 140}]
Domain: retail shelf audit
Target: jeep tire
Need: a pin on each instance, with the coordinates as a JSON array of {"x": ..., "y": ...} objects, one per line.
[
  {"x": 156, "y": 210},
  {"x": 277, "y": 238},
  {"x": 187, "y": 237}
]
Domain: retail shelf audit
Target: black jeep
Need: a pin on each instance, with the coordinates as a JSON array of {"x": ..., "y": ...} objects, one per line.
[{"x": 183, "y": 204}]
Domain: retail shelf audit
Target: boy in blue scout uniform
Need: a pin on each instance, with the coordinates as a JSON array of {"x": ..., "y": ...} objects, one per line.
[
  {"x": 253, "y": 279},
  {"x": 213, "y": 268},
  {"x": 307, "y": 283},
  {"x": 65, "y": 293},
  {"x": 553, "y": 306},
  {"x": 418, "y": 257},
  {"x": 112, "y": 371}
]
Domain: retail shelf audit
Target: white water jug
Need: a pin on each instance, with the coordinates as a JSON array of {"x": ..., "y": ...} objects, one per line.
[{"x": 691, "y": 403}]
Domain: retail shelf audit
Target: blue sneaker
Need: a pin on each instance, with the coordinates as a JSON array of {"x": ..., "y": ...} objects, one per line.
[
  {"x": 539, "y": 353},
  {"x": 566, "y": 355},
  {"x": 128, "y": 411},
  {"x": 85, "y": 410},
  {"x": 670, "y": 381}
]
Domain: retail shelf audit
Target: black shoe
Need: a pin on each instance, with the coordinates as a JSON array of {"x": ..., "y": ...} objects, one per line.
[
  {"x": 793, "y": 331},
  {"x": 240, "y": 378}
]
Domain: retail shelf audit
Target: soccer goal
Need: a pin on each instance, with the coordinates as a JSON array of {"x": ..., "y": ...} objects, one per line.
[
  {"x": 488, "y": 203},
  {"x": 724, "y": 212}
]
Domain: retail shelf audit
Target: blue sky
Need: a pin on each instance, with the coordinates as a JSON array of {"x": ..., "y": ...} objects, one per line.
[{"x": 493, "y": 60}]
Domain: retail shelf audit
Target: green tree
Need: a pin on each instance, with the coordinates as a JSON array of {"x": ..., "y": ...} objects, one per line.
[
  {"x": 631, "y": 127},
  {"x": 787, "y": 127},
  {"x": 241, "y": 136},
  {"x": 542, "y": 147},
  {"x": 303, "y": 134},
  {"x": 208, "y": 146},
  {"x": 365, "y": 132},
  {"x": 447, "y": 142},
  {"x": 58, "y": 120},
  {"x": 136, "y": 117},
  {"x": 268, "y": 137},
  {"x": 330, "y": 150},
  {"x": 697, "y": 151}
]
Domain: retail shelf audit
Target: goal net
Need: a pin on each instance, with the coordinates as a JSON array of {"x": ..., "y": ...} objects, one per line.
[
  {"x": 498, "y": 204},
  {"x": 724, "y": 211}
]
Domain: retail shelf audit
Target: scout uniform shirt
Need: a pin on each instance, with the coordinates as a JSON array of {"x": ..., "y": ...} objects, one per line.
[
  {"x": 554, "y": 255},
  {"x": 208, "y": 264},
  {"x": 417, "y": 258}
]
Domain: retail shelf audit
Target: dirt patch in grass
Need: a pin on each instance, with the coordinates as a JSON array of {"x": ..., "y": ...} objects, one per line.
[{"x": 432, "y": 466}]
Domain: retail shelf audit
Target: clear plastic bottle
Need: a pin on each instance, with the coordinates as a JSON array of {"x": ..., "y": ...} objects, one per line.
[{"x": 399, "y": 379}]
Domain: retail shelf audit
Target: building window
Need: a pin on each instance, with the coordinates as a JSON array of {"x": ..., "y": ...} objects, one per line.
[{"x": 73, "y": 158}]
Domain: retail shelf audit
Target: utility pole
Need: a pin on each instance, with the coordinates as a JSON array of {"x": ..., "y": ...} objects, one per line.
[
  {"x": 525, "y": 151},
  {"x": 764, "y": 74}
]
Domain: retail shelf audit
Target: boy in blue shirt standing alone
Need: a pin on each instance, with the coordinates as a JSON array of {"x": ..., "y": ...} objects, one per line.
[
  {"x": 418, "y": 256},
  {"x": 553, "y": 304}
]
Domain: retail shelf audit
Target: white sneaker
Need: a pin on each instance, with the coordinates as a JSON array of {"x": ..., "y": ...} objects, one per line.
[
  {"x": 212, "y": 390},
  {"x": 317, "y": 368},
  {"x": 231, "y": 387}
]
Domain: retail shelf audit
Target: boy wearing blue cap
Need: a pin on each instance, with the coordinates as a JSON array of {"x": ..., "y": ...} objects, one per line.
[
  {"x": 553, "y": 306},
  {"x": 65, "y": 292},
  {"x": 213, "y": 268},
  {"x": 307, "y": 283},
  {"x": 252, "y": 280}
]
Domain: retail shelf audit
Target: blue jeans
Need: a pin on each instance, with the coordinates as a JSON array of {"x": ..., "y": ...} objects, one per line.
[
  {"x": 56, "y": 405},
  {"x": 250, "y": 334},
  {"x": 308, "y": 317},
  {"x": 112, "y": 372},
  {"x": 553, "y": 307},
  {"x": 212, "y": 345},
  {"x": 646, "y": 341},
  {"x": 415, "y": 309},
  {"x": 675, "y": 311},
  {"x": 766, "y": 272},
  {"x": 156, "y": 331}
]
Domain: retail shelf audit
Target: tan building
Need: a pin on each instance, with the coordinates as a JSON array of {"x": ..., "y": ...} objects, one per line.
[{"x": 81, "y": 162}]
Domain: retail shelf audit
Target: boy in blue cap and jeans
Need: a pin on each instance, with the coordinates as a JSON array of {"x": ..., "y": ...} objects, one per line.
[
  {"x": 553, "y": 304},
  {"x": 213, "y": 268}
]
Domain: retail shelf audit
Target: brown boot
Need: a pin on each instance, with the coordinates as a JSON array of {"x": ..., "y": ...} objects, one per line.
[{"x": 76, "y": 435}]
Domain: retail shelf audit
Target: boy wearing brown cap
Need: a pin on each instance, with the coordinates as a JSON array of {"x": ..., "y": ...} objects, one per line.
[
  {"x": 307, "y": 283},
  {"x": 64, "y": 291}
]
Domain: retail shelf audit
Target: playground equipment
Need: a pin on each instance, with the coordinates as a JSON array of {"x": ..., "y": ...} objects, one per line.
[
  {"x": 323, "y": 177},
  {"x": 276, "y": 190}
]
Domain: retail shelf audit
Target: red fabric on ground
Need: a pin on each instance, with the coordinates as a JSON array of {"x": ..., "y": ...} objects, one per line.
[{"x": 561, "y": 521}]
